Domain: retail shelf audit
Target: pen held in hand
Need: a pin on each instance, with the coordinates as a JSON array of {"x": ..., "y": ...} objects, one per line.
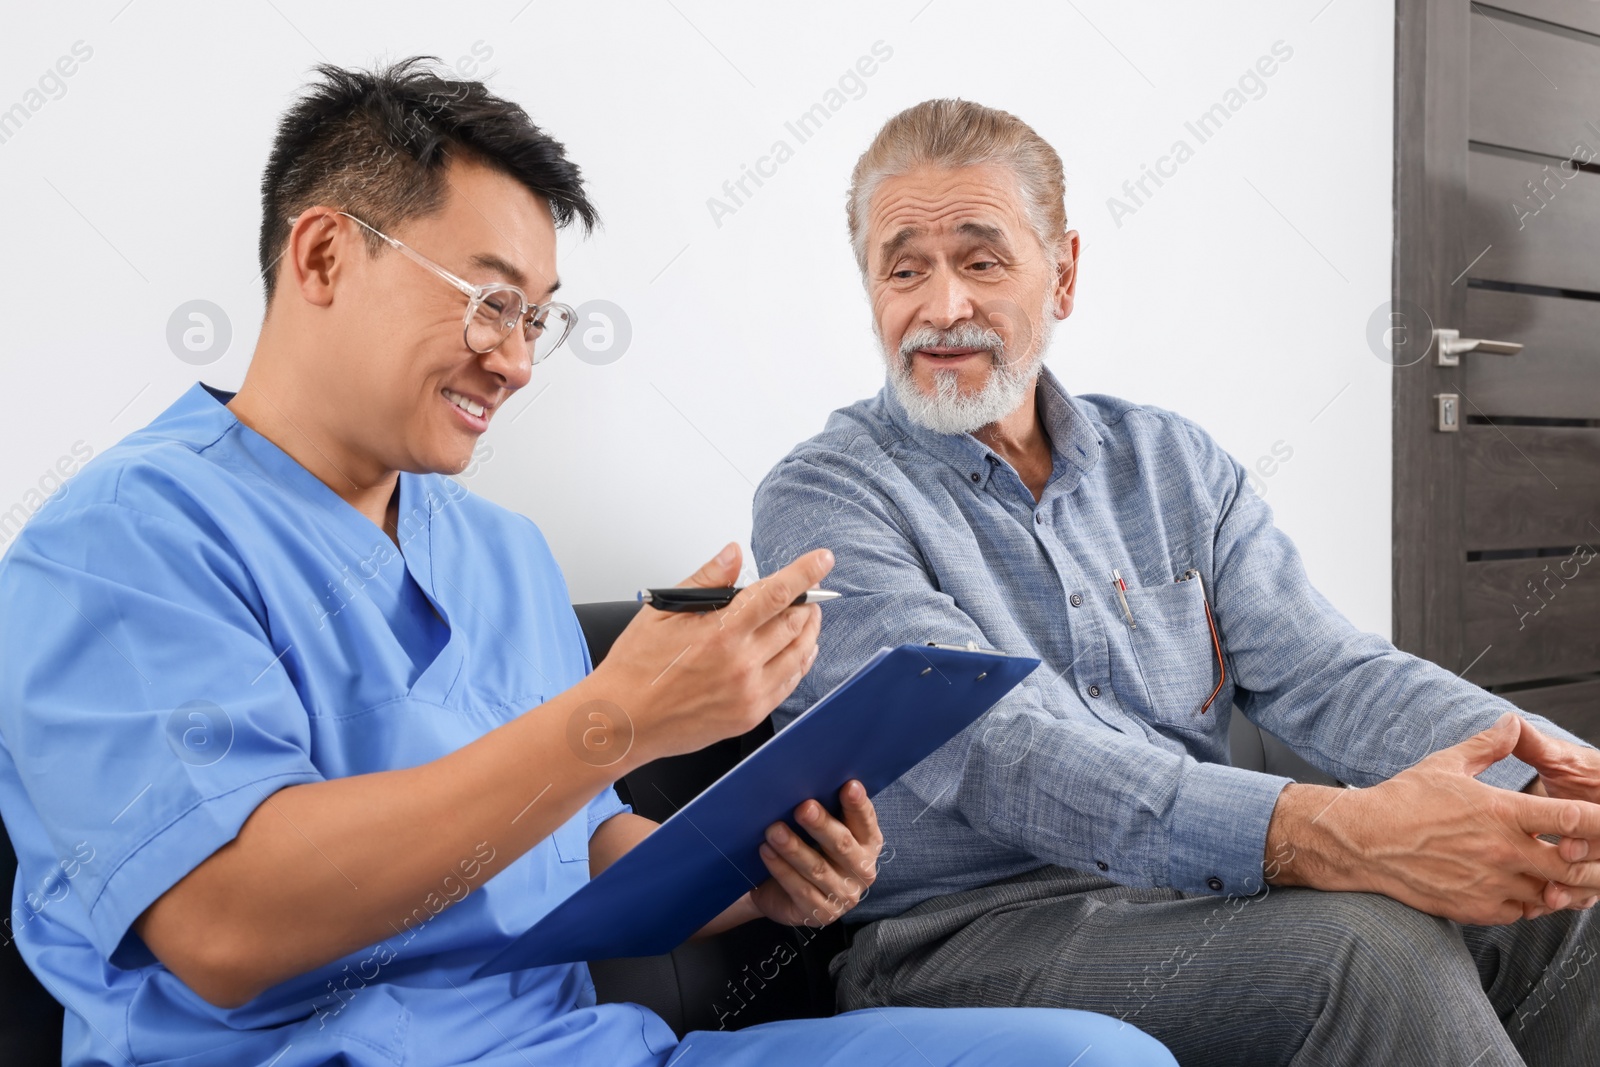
[{"x": 698, "y": 598}]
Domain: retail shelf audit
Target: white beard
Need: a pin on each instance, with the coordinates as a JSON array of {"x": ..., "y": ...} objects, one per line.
[{"x": 947, "y": 409}]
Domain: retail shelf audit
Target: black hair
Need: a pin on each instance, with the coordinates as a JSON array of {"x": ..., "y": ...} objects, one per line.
[{"x": 376, "y": 143}]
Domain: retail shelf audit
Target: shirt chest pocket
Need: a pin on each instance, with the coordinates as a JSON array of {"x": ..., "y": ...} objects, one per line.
[{"x": 1176, "y": 654}]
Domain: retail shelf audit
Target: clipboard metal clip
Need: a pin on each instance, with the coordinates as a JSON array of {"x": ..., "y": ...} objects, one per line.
[{"x": 970, "y": 646}]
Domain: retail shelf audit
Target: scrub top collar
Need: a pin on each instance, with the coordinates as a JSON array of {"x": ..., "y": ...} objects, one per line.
[{"x": 417, "y": 505}]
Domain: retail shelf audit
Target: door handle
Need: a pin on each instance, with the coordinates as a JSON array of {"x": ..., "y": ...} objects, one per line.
[{"x": 1451, "y": 346}]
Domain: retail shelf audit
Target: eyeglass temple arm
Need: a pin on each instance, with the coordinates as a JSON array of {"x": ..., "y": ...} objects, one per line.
[{"x": 419, "y": 259}]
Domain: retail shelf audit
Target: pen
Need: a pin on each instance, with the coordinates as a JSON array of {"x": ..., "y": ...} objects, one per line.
[
  {"x": 1122, "y": 595},
  {"x": 1216, "y": 640},
  {"x": 697, "y": 598}
]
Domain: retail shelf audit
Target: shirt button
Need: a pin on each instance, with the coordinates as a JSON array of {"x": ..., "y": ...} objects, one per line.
[
  {"x": 1094, "y": 690},
  {"x": 1214, "y": 884},
  {"x": 1038, "y": 517},
  {"x": 1076, "y": 600},
  {"x": 1102, "y": 865},
  {"x": 975, "y": 477}
]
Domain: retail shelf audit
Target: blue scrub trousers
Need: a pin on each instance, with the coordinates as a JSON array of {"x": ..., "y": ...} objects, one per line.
[{"x": 928, "y": 1037}]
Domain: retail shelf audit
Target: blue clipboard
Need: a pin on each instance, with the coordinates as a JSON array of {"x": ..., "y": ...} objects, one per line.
[{"x": 895, "y": 710}]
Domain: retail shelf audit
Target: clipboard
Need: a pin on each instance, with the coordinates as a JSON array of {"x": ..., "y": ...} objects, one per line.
[{"x": 878, "y": 723}]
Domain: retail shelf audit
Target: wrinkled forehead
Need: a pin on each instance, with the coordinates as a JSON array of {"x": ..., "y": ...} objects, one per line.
[{"x": 928, "y": 209}]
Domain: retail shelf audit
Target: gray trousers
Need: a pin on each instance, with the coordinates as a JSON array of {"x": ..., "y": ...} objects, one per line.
[{"x": 1288, "y": 976}]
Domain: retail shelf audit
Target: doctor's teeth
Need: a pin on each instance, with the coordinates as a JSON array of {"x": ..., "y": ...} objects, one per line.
[{"x": 470, "y": 406}]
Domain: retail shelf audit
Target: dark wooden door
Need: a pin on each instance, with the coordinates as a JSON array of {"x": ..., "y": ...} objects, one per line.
[{"x": 1497, "y": 457}]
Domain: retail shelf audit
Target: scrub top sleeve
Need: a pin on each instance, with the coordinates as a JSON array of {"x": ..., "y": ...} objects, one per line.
[
  {"x": 604, "y": 807},
  {"x": 142, "y": 701}
]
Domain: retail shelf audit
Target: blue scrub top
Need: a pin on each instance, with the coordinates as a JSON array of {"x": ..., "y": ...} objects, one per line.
[{"x": 196, "y": 621}]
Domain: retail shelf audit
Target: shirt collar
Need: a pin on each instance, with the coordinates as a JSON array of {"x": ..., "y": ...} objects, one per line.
[{"x": 1074, "y": 443}]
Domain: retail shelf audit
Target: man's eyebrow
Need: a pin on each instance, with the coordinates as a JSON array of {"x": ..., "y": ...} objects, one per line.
[
  {"x": 491, "y": 262},
  {"x": 894, "y": 244},
  {"x": 981, "y": 231}
]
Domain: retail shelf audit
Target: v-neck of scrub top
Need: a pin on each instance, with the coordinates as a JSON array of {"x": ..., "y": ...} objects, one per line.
[
  {"x": 416, "y": 625},
  {"x": 400, "y": 588}
]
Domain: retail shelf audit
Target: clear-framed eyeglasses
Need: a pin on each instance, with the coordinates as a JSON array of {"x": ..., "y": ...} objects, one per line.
[{"x": 494, "y": 310}]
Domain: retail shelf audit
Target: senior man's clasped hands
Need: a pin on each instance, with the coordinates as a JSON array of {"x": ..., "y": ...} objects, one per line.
[{"x": 1436, "y": 838}]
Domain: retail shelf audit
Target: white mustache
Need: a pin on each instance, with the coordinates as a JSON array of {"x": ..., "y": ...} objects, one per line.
[{"x": 966, "y": 335}]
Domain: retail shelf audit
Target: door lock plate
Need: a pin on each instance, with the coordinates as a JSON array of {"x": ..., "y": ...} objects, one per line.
[{"x": 1448, "y": 411}]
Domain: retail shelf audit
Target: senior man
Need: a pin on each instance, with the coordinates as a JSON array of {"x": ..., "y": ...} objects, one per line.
[{"x": 1087, "y": 843}]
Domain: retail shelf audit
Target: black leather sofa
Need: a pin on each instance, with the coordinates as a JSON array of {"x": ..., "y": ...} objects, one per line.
[{"x": 729, "y": 981}]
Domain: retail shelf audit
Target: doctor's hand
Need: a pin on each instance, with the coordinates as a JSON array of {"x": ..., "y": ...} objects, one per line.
[
  {"x": 812, "y": 888},
  {"x": 683, "y": 680}
]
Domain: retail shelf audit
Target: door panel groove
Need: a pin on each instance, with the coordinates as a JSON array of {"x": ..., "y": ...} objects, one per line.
[
  {"x": 1546, "y": 683},
  {"x": 1509, "y": 16},
  {"x": 1491, "y": 419},
  {"x": 1483, "y": 555},
  {"x": 1528, "y": 156},
  {"x": 1582, "y": 15},
  {"x": 1496, "y": 286}
]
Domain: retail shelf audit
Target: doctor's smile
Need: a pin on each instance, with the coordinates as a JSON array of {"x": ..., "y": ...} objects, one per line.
[{"x": 474, "y": 413}]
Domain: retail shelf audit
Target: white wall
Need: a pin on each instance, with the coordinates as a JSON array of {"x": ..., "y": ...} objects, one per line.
[{"x": 1239, "y": 293}]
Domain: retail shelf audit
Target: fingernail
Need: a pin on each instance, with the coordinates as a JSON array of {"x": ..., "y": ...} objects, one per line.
[
  {"x": 725, "y": 557},
  {"x": 827, "y": 557},
  {"x": 779, "y": 834},
  {"x": 808, "y": 813}
]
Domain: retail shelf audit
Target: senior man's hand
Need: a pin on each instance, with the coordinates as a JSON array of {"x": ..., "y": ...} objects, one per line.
[
  {"x": 1566, "y": 772},
  {"x": 1436, "y": 838}
]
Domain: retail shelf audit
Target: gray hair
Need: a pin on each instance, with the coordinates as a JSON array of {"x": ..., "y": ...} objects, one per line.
[{"x": 958, "y": 133}]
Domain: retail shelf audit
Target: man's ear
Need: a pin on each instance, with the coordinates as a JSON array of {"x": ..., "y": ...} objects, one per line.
[
  {"x": 313, "y": 256},
  {"x": 1066, "y": 274}
]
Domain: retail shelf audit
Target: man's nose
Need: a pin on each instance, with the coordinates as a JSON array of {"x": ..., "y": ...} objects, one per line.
[
  {"x": 512, "y": 360},
  {"x": 949, "y": 301}
]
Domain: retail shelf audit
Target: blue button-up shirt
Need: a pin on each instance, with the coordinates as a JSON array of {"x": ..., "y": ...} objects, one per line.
[{"x": 1103, "y": 759}]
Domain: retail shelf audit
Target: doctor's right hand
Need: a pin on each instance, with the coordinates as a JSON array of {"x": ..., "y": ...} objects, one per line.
[{"x": 687, "y": 679}]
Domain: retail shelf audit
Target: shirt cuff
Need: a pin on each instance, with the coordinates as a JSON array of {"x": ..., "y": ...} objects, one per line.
[
  {"x": 1513, "y": 774},
  {"x": 1219, "y": 829},
  {"x": 1510, "y": 773}
]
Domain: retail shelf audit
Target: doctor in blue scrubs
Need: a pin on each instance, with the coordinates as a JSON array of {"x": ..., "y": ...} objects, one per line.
[{"x": 297, "y": 732}]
